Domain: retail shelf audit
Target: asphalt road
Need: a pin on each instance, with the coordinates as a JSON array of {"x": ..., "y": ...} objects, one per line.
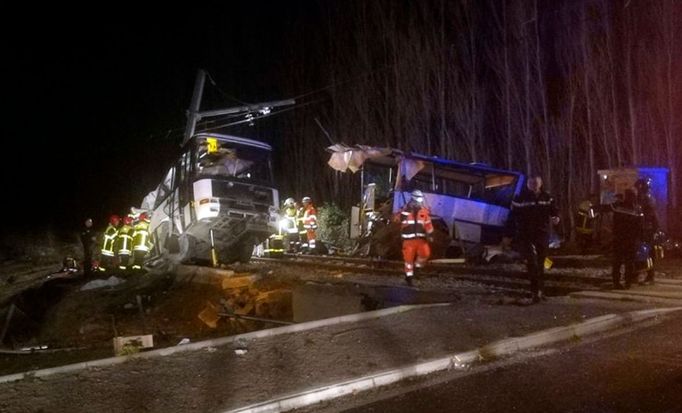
[{"x": 636, "y": 371}]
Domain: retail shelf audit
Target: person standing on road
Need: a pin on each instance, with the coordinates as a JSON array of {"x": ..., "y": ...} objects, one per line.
[
  {"x": 89, "y": 241},
  {"x": 416, "y": 231},
  {"x": 627, "y": 235},
  {"x": 533, "y": 210}
]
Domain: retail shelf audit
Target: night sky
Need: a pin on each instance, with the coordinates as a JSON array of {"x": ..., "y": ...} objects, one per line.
[
  {"x": 96, "y": 99},
  {"x": 97, "y": 105}
]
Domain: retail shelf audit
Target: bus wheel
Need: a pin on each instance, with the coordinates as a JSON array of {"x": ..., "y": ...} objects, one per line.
[{"x": 187, "y": 248}]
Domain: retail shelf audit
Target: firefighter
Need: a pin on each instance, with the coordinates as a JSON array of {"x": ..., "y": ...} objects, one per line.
[
  {"x": 309, "y": 223},
  {"x": 108, "y": 241},
  {"x": 141, "y": 242},
  {"x": 416, "y": 232},
  {"x": 586, "y": 224},
  {"x": 646, "y": 201},
  {"x": 533, "y": 210},
  {"x": 289, "y": 225},
  {"x": 124, "y": 243},
  {"x": 302, "y": 233},
  {"x": 627, "y": 234}
]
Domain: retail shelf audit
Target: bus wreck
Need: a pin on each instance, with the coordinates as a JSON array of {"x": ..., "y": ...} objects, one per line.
[
  {"x": 470, "y": 203},
  {"x": 215, "y": 203}
]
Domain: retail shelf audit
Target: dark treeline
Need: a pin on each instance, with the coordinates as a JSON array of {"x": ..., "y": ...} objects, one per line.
[{"x": 557, "y": 88}]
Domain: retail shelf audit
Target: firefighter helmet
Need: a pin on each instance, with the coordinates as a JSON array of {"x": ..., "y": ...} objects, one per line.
[
  {"x": 127, "y": 220},
  {"x": 289, "y": 202},
  {"x": 417, "y": 196},
  {"x": 114, "y": 219},
  {"x": 306, "y": 200},
  {"x": 144, "y": 217}
]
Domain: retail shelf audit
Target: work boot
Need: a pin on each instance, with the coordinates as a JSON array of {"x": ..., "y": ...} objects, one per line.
[
  {"x": 408, "y": 281},
  {"x": 618, "y": 286}
]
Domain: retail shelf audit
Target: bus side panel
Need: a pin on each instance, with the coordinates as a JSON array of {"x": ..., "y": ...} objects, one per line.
[{"x": 469, "y": 214}]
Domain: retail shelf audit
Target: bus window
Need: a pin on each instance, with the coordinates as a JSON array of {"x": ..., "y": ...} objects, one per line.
[
  {"x": 380, "y": 176},
  {"x": 499, "y": 189},
  {"x": 164, "y": 188}
]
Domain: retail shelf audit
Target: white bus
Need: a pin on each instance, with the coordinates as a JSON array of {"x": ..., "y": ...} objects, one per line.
[
  {"x": 471, "y": 202},
  {"x": 219, "y": 192}
]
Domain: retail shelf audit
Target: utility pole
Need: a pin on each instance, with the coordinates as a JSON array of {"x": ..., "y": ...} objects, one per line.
[{"x": 194, "y": 115}]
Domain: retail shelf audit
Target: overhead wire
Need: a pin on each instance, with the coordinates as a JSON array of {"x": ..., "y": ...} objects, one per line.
[
  {"x": 277, "y": 112},
  {"x": 221, "y": 91}
]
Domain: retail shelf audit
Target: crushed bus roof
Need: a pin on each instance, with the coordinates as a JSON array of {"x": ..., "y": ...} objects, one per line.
[{"x": 391, "y": 156}]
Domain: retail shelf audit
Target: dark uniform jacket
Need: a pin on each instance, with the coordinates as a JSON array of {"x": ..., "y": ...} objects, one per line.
[
  {"x": 531, "y": 215},
  {"x": 650, "y": 220},
  {"x": 628, "y": 226},
  {"x": 89, "y": 241}
]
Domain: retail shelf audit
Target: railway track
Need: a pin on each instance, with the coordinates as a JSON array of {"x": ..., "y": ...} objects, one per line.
[{"x": 564, "y": 278}]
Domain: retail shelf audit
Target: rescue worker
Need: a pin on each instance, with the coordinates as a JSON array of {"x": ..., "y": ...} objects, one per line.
[
  {"x": 108, "y": 241},
  {"x": 627, "y": 234},
  {"x": 124, "y": 243},
  {"x": 586, "y": 224},
  {"x": 533, "y": 210},
  {"x": 89, "y": 241},
  {"x": 289, "y": 226},
  {"x": 416, "y": 232},
  {"x": 646, "y": 201},
  {"x": 302, "y": 233},
  {"x": 309, "y": 222},
  {"x": 141, "y": 242}
]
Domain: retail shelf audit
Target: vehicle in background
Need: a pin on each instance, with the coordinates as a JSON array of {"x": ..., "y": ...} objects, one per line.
[{"x": 613, "y": 182}]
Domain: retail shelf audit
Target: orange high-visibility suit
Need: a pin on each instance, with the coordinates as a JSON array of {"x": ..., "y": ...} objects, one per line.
[
  {"x": 415, "y": 229},
  {"x": 310, "y": 224}
]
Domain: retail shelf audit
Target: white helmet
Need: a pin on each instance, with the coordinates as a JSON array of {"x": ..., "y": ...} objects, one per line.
[
  {"x": 417, "y": 196},
  {"x": 289, "y": 202},
  {"x": 306, "y": 199}
]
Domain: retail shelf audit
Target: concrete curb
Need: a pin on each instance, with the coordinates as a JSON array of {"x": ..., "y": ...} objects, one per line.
[
  {"x": 668, "y": 281},
  {"x": 293, "y": 328},
  {"x": 488, "y": 352},
  {"x": 640, "y": 298}
]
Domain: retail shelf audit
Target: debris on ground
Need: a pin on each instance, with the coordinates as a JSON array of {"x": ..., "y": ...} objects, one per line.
[
  {"x": 109, "y": 282},
  {"x": 129, "y": 345}
]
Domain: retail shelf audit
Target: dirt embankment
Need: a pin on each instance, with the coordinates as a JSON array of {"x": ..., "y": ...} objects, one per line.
[{"x": 171, "y": 307}]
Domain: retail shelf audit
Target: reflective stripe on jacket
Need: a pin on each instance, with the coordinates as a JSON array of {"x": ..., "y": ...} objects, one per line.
[
  {"x": 109, "y": 238},
  {"x": 124, "y": 241},
  {"x": 531, "y": 213},
  {"x": 141, "y": 237},
  {"x": 415, "y": 223},
  {"x": 310, "y": 218}
]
